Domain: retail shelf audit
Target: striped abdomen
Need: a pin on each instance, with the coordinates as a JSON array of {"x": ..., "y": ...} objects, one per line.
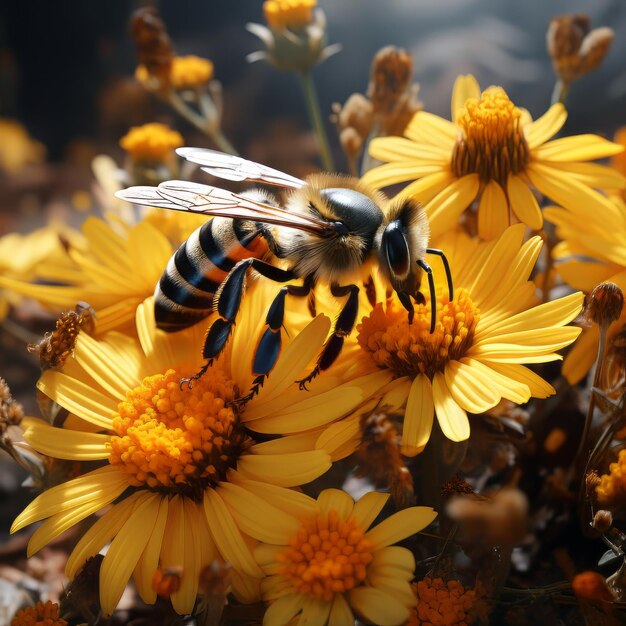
[{"x": 185, "y": 292}]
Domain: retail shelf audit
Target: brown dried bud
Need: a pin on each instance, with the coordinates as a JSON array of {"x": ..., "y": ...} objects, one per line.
[
  {"x": 356, "y": 113},
  {"x": 605, "y": 303},
  {"x": 455, "y": 486},
  {"x": 592, "y": 480},
  {"x": 215, "y": 579},
  {"x": 57, "y": 346},
  {"x": 390, "y": 76},
  {"x": 351, "y": 142},
  {"x": 613, "y": 377},
  {"x": 602, "y": 520},
  {"x": 591, "y": 586},
  {"x": 11, "y": 412},
  {"x": 167, "y": 581},
  {"x": 575, "y": 48},
  {"x": 154, "y": 48}
]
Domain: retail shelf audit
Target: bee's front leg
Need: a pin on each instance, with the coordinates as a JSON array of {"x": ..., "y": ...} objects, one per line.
[{"x": 343, "y": 327}]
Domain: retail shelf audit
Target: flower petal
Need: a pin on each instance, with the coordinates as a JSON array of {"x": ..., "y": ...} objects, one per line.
[
  {"x": 402, "y": 149},
  {"x": 470, "y": 388},
  {"x": 546, "y": 126},
  {"x": 283, "y": 610},
  {"x": 285, "y": 470},
  {"x": 378, "y": 607},
  {"x": 523, "y": 202},
  {"x": 340, "y": 612},
  {"x": 429, "y": 128},
  {"x": 314, "y": 612},
  {"x": 418, "y": 417},
  {"x": 368, "y": 507},
  {"x": 451, "y": 417},
  {"x": 577, "y": 148},
  {"x": 61, "y": 443},
  {"x": 493, "y": 212},
  {"x": 465, "y": 87},
  {"x": 444, "y": 209},
  {"x": 401, "y": 525}
]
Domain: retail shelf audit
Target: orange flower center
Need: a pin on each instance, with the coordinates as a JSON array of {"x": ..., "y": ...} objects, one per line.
[
  {"x": 492, "y": 142},
  {"x": 151, "y": 142},
  {"x": 326, "y": 556},
  {"x": 412, "y": 350},
  {"x": 281, "y": 14},
  {"x": 177, "y": 440},
  {"x": 441, "y": 603},
  {"x": 39, "y": 615}
]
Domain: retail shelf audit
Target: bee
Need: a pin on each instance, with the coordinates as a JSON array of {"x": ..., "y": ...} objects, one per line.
[{"x": 329, "y": 228}]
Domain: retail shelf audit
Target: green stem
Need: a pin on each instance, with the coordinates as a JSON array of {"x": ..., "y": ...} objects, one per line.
[
  {"x": 560, "y": 91},
  {"x": 315, "y": 117}
]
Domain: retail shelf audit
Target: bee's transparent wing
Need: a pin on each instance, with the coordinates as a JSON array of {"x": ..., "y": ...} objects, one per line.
[
  {"x": 230, "y": 167},
  {"x": 181, "y": 195}
]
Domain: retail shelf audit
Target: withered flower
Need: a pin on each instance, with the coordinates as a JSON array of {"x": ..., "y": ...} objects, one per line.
[
  {"x": 575, "y": 48},
  {"x": 591, "y": 586},
  {"x": 154, "y": 47},
  {"x": 605, "y": 304}
]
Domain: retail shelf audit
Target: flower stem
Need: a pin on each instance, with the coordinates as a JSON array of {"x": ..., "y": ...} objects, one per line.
[
  {"x": 315, "y": 117},
  {"x": 560, "y": 91}
]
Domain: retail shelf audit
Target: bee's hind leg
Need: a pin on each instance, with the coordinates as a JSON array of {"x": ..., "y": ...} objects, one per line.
[
  {"x": 227, "y": 303},
  {"x": 343, "y": 327},
  {"x": 269, "y": 346}
]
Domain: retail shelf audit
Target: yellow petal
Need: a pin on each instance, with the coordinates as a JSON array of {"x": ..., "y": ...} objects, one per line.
[
  {"x": 79, "y": 398},
  {"x": 493, "y": 212},
  {"x": 444, "y": 209},
  {"x": 149, "y": 560},
  {"x": 429, "y": 128},
  {"x": 451, "y": 417},
  {"x": 341, "y": 438},
  {"x": 524, "y": 203},
  {"x": 577, "y": 148},
  {"x": 395, "y": 586},
  {"x": 314, "y": 612},
  {"x": 581, "y": 357},
  {"x": 378, "y": 607},
  {"x": 513, "y": 390},
  {"x": 101, "y": 533},
  {"x": 402, "y": 149},
  {"x": 283, "y": 610},
  {"x": 61, "y": 443},
  {"x": 548, "y": 125},
  {"x": 340, "y": 612},
  {"x": 336, "y": 500},
  {"x": 124, "y": 552},
  {"x": 285, "y": 470},
  {"x": 228, "y": 538},
  {"x": 401, "y": 525},
  {"x": 539, "y": 388},
  {"x": 102, "y": 486},
  {"x": 392, "y": 173},
  {"x": 367, "y": 508},
  {"x": 395, "y": 557},
  {"x": 470, "y": 388},
  {"x": 246, "y": 589},
  {"x": 256, "y": 517},
  {"x": 418, "y": 417},
  {"x": 465, "y": 87},
  {"x": 148, "y": 251},
  {"x": 592, "y": 174}
]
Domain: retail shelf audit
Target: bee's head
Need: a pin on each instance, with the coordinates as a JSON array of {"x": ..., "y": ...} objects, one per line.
[{"x": 401, "y": 242}]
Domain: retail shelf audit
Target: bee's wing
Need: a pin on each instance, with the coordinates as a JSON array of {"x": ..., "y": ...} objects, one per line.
[
  {"x": 181, "y": 195},
  {"x": 235, "y": 168}
]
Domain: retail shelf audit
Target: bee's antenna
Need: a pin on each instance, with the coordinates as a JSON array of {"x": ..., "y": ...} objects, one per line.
[
  {"x": 446, "y": 267},
  {"x": 433, "y": 297}
]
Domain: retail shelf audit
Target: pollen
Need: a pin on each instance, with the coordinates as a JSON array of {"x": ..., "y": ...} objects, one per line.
[
  {"x": 177, "y": 440},
  {"x": 327, "y": 556},
  {"x": 492, "y": 142},
  {"x": 410, "y": 350},
  {"x": 282, "y": 14},
  {"x": 151, "y": 142}
]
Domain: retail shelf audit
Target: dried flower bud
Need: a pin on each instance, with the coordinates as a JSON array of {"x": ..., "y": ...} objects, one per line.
[
  {"x": 455, "y": 486},
  {"x": 57, "y": 346},
  {"x": 575, "y": 48},
  {"x": 11, "y": 412},
  {"x": 591, "y": 586},
  {"x": 390, "y": 77},
  {"x": 167, "y": 581},
  {"x": 351, "y": 142},
  {"x": 605, "y": 303},
  {"x": 602, "y": 520},
  {"x": 592, "y": 480},
  {"x": 613, "y": 379},
  {"x": 356, "y": 113},
  {"x": 154, "y": 48}
]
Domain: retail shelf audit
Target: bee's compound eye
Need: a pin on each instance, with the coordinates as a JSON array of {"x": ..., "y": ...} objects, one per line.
[{"x": 396, "y": 249}]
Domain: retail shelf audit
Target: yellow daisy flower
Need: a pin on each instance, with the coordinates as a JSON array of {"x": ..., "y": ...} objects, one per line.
[
  {"x": 585, "y": 258},
  {"x": 493, "y": 153},
  {"x": 326, "y": 564},
  {"x": 112, "y": 270},
  {"x": 481, "y": 340},
  {"x": 152, "y": 142},
  {"x": 196, "y": 486}
]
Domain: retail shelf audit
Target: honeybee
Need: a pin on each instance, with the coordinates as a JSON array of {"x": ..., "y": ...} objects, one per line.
[{"x": 329, "y": 228}]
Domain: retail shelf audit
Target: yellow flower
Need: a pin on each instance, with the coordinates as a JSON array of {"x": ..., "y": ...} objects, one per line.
[
  {"x": 474, "y": 357},
  {"x": 326, "y": 563},
  {"x": 292, "y": 14},
  {"x": 186, "y": 72},
  {"x": 612, "y": 488},
  {"x": 619, "y": 160},
  {"x": 441, "y": 603},
  {"x": 21, "y": 254},
  {"x": 151, "y": 142},
  {"x": 39, "y": 615},
  {"x": 112, "y": 271},
  {"x": 17, "y": 147},
  {"x": 196, "y": 486},
  {"x": 585, "y": 258},
  {"x": 494, "y": 154}
]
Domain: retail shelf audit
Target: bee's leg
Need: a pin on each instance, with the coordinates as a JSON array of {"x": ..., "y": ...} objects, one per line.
[
  {"x": 433, "y": 295},
  {"x": 446, "y": 267},
  {"x": 227, "y": 302},
  {"x": 405, "y": 300},
  {"x": 343, "y": 327},
  {"x": 268, "y": 349}
]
